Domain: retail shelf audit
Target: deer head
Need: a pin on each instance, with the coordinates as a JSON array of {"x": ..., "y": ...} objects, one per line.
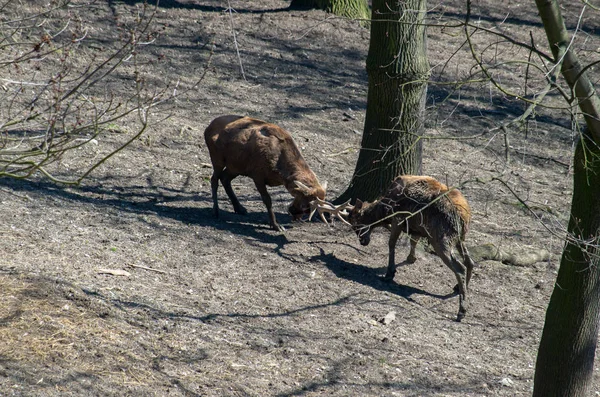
[{"x": 303, "y": 196}]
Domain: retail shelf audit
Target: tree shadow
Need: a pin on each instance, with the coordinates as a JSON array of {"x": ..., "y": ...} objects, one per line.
[
  {"x": 336, "y": 378},
  {"x": 209, "y": 318},
  {"x": 528, "y": 20},
  {"x": 113, "y": 311},
  {"x": 194, "y": 6}
]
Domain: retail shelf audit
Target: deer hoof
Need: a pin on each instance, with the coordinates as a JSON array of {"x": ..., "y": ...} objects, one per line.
[
  {"x": 278, "y": 227},
  {"x": 241, "y": 210},
  {"x": 411, "y": 259},
  {"x": 388, "y": 277}
]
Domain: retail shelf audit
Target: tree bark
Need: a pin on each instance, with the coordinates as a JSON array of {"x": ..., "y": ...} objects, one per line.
[
  {"x": 571, "y": 68},
  {"x": 567, "y": 348},
  {"x": 398, "y": 71},
  {"x": 353, "y": 9}
]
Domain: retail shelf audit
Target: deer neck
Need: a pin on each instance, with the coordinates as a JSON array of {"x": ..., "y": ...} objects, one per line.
[{"x": 292, "y": 168}]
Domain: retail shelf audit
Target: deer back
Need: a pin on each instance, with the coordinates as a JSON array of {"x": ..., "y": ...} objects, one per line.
[
  {"x": 254, "y": 148},
  {"x": 435, "y": 206}
]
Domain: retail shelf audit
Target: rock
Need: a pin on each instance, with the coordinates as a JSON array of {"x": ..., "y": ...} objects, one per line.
[{"x": 391, "y": 316}]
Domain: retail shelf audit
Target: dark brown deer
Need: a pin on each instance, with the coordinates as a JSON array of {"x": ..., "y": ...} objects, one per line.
[
  {"x": 266, "y": 153},
  {"x": 421, "y": 207}
]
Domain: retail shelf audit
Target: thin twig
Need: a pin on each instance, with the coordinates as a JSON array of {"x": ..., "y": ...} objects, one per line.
[
  {"x": 147, "y": 268},
  {"x": 347, "y": 150},
  {"x": 235, "y": 42},
  {"x": 561, "y": 163}
]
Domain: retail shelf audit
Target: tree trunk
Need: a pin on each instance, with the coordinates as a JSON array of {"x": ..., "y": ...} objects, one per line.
[
  {"x": 566, "y": 354},
  {"x": 353, "y": 9},
  {"x": 398, "y": 71}
]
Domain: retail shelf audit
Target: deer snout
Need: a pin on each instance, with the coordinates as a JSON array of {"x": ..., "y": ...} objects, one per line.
[
  {"x": 298, "y": 211},
  {"x": 364, "y": 236}
]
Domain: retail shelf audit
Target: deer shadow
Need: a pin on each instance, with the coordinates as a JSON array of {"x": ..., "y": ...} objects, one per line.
[
  {"x": 369, "y": 276},
  {"x": 162, "y": 202}
]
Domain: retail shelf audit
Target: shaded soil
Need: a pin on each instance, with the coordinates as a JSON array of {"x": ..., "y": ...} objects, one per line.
[{"x": 229, "y": 307}]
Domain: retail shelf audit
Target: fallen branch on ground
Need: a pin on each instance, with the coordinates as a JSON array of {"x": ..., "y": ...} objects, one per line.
[{"x": 524, "y": 258}]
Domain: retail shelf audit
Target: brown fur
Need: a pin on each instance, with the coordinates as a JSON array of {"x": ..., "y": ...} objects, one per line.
[
  {"x": 422, "y": 207},
  {"x": 264, "y": 152}
]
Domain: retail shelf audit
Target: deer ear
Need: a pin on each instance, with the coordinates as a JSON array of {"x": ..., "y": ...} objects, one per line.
[
  {"x": 358, "y": 205},
  {"x": 324, "y": 185},
  {"x": 302, "y": 188}
]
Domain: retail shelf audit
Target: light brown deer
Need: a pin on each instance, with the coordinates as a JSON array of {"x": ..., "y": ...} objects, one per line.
[
  {"x": 421, "y": 207},
  {"x": 266, "y": 153}
]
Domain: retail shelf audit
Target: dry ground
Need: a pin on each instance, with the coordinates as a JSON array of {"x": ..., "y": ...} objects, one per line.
[{"x": 230, "y": 308}]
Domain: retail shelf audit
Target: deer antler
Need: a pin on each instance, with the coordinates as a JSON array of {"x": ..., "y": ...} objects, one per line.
[{"x": 322, "y": 206}]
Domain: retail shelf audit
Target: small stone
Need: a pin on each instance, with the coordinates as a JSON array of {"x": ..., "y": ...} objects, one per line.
[
  {"x": 391, "y": 316},
  {"x": 507, "y": 382}
]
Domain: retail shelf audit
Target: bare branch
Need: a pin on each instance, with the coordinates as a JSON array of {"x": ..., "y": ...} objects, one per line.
[{"x": 55, "y": 104}]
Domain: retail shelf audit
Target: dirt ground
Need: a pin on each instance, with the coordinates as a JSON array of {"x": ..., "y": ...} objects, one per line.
[{"x": 229, "y": 307}]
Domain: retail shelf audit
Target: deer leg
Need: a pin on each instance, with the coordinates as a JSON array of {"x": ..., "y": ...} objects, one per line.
[
  {"x": 226, "y": 178},
  {"x": 264, "y": 194},
  {"x": 462, "y": 249},
  {"x": 412, "y": 258},
  {"x": 214, "y": 184},
  {"x": 442, "y": 249},
  {"x": 395, "y": 231}
]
